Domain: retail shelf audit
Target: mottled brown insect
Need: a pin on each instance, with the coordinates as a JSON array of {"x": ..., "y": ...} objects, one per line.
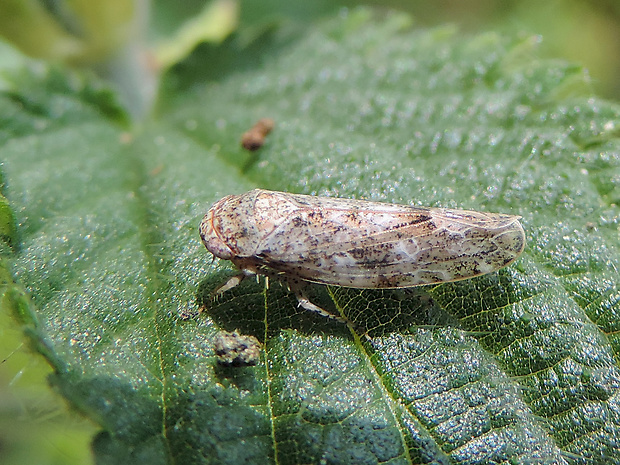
[{"x": 355, "y": 243}]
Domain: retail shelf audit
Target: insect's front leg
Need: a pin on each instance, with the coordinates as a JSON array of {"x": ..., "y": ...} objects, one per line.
[
  {"x": 246, "y": 269},
  {"x": 233, "y": 282}
]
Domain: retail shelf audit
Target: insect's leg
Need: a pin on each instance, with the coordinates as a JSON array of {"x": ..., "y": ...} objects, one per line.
[
  {"x": 233, "y": 282},
  {"x": 298, "y": 288}
]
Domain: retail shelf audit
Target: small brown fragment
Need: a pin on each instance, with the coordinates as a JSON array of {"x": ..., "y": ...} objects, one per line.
[
  {"x": 190, "y": 310},
  {"x": 255, "y": 138},
  {"x": 234, "y": 349}
]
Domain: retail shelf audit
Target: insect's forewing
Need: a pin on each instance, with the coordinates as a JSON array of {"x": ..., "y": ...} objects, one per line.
[{"x": 364, "y": 244}]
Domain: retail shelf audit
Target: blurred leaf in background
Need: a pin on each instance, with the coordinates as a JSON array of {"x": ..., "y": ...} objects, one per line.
[
  {"x": 131, "y": 44},
  {"x": 101, "y": 254},
  {"x": 587, "y": 32}
]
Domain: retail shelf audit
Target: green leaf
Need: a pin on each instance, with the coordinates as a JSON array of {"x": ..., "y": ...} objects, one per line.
[
  {"x": 214, "y": 23},
  {"x": 519, "y": 366}
]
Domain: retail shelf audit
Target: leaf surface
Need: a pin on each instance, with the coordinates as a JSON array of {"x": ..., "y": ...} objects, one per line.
[{"x": 517, "y": 366}]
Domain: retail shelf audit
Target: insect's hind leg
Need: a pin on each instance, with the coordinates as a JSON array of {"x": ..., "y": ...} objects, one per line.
[{"x": 298, "y": 287}]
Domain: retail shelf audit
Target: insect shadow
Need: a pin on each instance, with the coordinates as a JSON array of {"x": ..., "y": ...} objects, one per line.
[{"x": 252, "y": 308}]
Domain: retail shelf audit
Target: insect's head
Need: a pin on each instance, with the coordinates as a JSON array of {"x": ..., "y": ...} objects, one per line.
[{"x": 212, "y": 240}]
